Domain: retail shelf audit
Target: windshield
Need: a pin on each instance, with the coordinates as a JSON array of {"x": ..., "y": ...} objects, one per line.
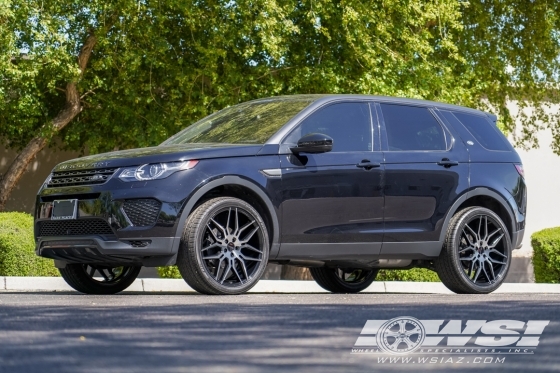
[{"x": 247, "y": 123}]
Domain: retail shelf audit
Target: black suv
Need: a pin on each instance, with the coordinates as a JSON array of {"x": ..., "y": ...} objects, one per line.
[{"x": 343, "y": 184}]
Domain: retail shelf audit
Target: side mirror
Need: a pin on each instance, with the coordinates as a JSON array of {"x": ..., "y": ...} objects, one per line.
[{"x": 313, "y": 143}]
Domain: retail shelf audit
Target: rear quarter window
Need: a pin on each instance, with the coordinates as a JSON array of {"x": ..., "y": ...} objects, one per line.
[{"x": 484, "y": 131}]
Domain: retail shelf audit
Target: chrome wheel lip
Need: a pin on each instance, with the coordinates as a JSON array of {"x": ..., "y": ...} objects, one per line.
[
  {"x": 239, "y": 259},
  {"x": 483, "y": 251}
]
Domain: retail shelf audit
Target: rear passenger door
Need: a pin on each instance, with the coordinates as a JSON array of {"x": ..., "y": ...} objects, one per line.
[{"x": 425, "y": 170}]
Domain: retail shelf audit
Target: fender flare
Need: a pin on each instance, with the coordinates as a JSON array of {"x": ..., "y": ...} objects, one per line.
[
  {"x": 480, "y": 191},
  {"x": 229, "y": 180}
]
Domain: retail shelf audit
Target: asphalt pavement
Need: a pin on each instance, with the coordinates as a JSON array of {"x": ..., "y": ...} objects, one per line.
[{"x": 138, "y": 332}]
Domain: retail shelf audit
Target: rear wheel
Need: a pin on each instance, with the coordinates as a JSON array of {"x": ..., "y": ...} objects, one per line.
[
  {"x": 99, "y": 279},
  {"x": 343, "y": 280},
  {"x": 225, "y": 247},
  {"x": 476, "y": 255}
]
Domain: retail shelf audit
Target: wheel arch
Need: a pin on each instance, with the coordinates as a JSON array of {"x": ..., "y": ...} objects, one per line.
[
  {"x": 233, "y": 186},
  {"x": 482, "y": 197}
]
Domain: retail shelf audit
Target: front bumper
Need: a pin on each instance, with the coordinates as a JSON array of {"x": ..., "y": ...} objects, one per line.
[{"x": 116, "y": 222}]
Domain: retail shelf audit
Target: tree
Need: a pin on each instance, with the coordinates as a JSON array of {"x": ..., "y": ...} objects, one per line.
[{"x": 127, "y": 74}]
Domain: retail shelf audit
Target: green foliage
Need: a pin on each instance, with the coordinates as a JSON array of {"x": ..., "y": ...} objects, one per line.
[
  {"x": 160, "y": 65},
  {"x": 546, "y": 255},
  {"x": 17, "y": 248},
  {"x": 414, "y": 274},
  {"x": 169, "y": 272}
]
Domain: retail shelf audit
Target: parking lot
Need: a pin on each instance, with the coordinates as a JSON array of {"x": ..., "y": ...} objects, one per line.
[{"x": 70, "y": 332}]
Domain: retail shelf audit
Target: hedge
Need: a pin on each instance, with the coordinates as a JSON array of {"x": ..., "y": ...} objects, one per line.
[
  {"x": 17, "y": 248},
  {"x": 546, "y": 255},
  {"x": 415, "y": 274}
]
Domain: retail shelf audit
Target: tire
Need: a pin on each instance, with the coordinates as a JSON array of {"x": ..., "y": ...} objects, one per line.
[
  {"x": 476, "y": 254},
  {"x": 338, "y": 280},
  {"x": 224, "y": 248},
  {"x": 111, "y": 280}
]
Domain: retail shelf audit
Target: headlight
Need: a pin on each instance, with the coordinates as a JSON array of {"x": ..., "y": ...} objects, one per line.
[{"x": 154, "y": 171}]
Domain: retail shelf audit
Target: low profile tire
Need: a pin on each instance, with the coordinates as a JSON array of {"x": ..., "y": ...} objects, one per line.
[
  {"x": 225, "y": 247},
  {"x": 476, "y": 255},
  {"x": 337, "y": 280},
  {"x": 99, "y": 279}
]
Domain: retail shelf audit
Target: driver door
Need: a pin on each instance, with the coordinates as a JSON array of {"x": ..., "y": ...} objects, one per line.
[{"x": 332, "y": 203}]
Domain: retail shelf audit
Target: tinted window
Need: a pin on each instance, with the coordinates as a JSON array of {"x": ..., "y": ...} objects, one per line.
[
  {"x": 347, "y": 123},
  {"x": 412, "y": 128},
  {"x": 485, "y": 132}
]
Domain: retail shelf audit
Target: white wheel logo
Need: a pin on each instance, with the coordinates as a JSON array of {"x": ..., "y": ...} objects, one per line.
[{"x": 401, "y": 335}]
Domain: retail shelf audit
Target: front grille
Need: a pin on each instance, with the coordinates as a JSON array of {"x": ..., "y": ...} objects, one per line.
[
  {"x": 80, "y": 177},
  {"x": 82, "y": 227},
  {"x": 142, "y": 212}
]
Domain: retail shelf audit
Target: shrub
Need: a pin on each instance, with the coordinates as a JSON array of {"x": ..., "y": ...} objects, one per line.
[
  {"x": 17, "y": 248},
  {"x": 414, "y": 274},
  {"x": 169, "y": 272},
  {"x": 546, "y": 255}
]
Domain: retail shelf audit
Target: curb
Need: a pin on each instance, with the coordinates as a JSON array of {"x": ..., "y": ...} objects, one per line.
[{"x": 156, "y": 285}]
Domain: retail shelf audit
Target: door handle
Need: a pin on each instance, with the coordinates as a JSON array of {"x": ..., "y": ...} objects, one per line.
[
  {"x": 367, "y": 164},
  {"x": 445, "y": 162}
]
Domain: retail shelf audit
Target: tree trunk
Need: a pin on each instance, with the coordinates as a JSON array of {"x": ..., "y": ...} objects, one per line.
[{"x": 71, "y": 109}]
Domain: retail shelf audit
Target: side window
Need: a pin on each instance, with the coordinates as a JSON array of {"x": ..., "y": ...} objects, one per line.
[
  {"x": 348, "y": 123},
  {"x": 412, "y": 128},
  {"x": 486, "y": 133}
]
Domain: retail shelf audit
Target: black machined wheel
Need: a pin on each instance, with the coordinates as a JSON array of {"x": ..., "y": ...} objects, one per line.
[
  {"x": 476, "y": 255},
  {"x": 99, "y": 279},
  {"x": 343, "y": 280},
  {"x": 225, "y": 247}
]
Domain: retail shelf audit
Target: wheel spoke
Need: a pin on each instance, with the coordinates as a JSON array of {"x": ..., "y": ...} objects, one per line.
[
  {"x": 494, "y": 251},
  {"x": 468, "y": 258},
  {"x": 402, "y": 326},
  {"x": 466, "y": 248},
  {"x": 217, "y": 256},
  {"x": 496, "y": 261},
  {"x": 392, "y": 333},
  {"x": 250, "y": 235},
  {"x": 220, "y": 269},
  {"x": 496, "y": 241},
  {"x": 245, "y": 227},
  {"x": 249, "y": 258},
  {"x": 478, "y": 270},
  {"x": 247, "y": 246},
  {"x": 219, "y": 226},
  {"x": 226, "y": 272},
  {"x": 493, "y": 233},
  {"x": 491, "y": 270},
  {"x": 91, "y": 271},
  {"x": 485, "y": 273},
  {"x": 228, "y": 215},
  {"x": 473, "y": 233},
  {"x": 236, "y": 232},
  {"x": 211, "y": 246},
  {"x": 485, "y": 227},
  {"x": 102, "y": 271},
  {"x": 479, "y": 227},
  {"x": 237, "y": 273},
  {"x": 243, "y": 267}
]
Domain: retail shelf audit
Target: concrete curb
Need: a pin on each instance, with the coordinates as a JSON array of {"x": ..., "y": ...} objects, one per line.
[{"x": 155, "y": 285}]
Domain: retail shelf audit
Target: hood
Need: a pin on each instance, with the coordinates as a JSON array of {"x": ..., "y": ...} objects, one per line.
[{"x": 156, "y": 154}]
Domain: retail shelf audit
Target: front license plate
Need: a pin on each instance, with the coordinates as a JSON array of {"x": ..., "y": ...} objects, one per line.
[{"x": 65, "y": 209}]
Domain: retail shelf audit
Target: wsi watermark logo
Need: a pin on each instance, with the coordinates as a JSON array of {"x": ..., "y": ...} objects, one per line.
[{"x": 407, "y": 335}]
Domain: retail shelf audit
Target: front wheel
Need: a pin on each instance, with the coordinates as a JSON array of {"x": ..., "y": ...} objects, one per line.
[
  {"x": 339, "y": 280},
  {"x": 476, "y": 255},
  {"x": 225, "y": 247},
  {"x": 99, "y": 279}
]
